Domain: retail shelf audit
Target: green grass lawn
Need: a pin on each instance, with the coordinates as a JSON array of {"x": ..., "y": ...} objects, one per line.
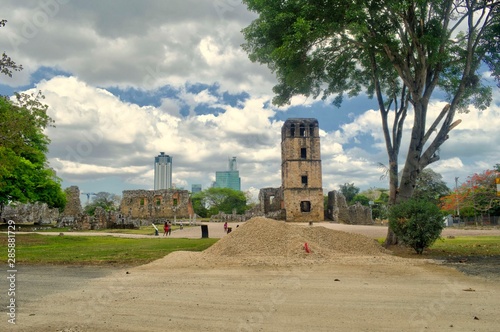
[
  {"x": 143, "y": 230},
  {"x": 95, "y": 250},
  {"x": 467, "y": 246},
  {"x": 457, "y": 246}
]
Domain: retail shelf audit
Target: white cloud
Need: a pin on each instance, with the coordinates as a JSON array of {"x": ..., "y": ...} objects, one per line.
[{"x": 103, "y": 44}]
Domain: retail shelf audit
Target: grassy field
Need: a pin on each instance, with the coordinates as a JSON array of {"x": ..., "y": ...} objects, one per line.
[
  {"x": 143, "y": 230},
  {"x": 96, "y": 250},
  {"x": 465, "y": 246},
  {"x": 30, "y": 227}
]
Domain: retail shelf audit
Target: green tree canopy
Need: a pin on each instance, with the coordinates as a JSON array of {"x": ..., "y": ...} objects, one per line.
[
  {"x": 362, "y": 199},
  {"x": 430, "y": 186},
  {"x": 105, "y": 200},
  {"x": 24, "y": 173},
  {"x": 349, "y": 190},
  {"x": 214, "y": 200}
]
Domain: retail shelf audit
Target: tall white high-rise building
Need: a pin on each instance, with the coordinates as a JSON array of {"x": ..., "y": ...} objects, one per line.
[{"x": 163, "y": 171}]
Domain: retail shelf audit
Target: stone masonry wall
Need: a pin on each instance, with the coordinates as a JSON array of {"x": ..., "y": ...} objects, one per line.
[
  {"x": 301, "y": 170},
  {"x": 271, "y": 200},
  {"x": 30, "y": 213},
  {"x": 150, "y": 205},
  {"x": 338, "y": 211},
  {"x": 73, "y": 209}
]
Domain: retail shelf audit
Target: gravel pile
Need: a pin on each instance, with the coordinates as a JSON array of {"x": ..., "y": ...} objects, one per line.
[{"x": 271, "y": 241}]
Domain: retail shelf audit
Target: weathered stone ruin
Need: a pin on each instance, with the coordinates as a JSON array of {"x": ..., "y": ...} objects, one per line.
[
  {"x": 73, "y": 210},
  {"x": 37, "y": 213},
  {"x": 74, "y": 217},
  {"x": 270, "y": 204},
  {"x": 146, "y": 206},
  {"x": 232, "y": 217},
  {"x": 360, "y": 214},
  {"x": 338, "y": 211},
  {"x": 101, "y": 219},
  {"x": 300, "y": 197},
  {"x": 301, "y": 170}
]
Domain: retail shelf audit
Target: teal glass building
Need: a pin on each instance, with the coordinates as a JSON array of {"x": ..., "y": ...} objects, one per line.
[{"x": 228, "y": 179}]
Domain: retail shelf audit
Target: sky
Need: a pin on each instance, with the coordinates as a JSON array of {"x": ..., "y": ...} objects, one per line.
[{"x": 126, "y": 80}]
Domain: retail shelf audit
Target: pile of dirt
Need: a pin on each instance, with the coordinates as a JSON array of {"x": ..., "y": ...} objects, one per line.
[{"x": 267, "y": 240}]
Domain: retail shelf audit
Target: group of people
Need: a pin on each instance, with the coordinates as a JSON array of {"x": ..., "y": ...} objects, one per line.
[
  {"x": 228, "y": 229},
  {"x": 167, "y": 228}
]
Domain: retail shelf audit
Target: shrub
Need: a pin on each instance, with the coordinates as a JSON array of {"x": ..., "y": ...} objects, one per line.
[{"x": 418, "y": 224}]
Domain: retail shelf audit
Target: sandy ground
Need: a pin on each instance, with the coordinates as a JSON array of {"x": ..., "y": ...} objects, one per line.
[{"x": 188, "y": 292}]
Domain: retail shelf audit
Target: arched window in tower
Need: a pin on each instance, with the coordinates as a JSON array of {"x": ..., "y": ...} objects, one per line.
[
  {"x": 311, "y": 131},
  {"x": 302, "y": 130},
  {"x": 292, "y": 130}
]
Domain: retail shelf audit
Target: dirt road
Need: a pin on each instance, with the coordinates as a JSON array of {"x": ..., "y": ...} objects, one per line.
[
  {"x": 194, "y": 292},
  {"x": 352, "y": 294}
]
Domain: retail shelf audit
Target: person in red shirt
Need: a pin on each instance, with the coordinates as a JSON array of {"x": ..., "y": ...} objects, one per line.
[{"x": 166, "y": 229}]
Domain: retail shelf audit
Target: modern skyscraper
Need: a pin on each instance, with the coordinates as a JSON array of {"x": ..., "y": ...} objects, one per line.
[
  {"x": 195, "y": 188},
  {"x": 163, "y": 171},
  {"x": 229, "y": 179}
]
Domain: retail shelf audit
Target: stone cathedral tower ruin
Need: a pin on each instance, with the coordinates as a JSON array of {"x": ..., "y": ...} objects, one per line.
[{"x": 301, "y": 180}]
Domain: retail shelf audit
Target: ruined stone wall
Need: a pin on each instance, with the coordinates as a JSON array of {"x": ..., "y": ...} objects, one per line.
[
  {"x": 233, "y": 217},
  {"x": 270, "y": 200},
  {"x": 73, "y": 205},
  {"x": 30, "y": 213},
  {"x": 360, "y": 215},
  {"x": 82, "y": 222},
  {"x": 73, "y": 209},
  {"x": 150, "y": 205},
  {"x": 338, "y": 211},
  {"x": 101, "y": 219}
]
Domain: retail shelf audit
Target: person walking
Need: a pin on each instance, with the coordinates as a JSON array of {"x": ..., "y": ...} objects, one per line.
[
  {"x": 169, "y": 228},
  {"x": 166, "y": 229}
]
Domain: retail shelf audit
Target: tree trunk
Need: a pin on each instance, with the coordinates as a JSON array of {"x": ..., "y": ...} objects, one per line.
[{"x": 391, "y": 239}]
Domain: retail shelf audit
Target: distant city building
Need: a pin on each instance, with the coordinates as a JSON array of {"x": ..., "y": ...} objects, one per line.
[
  {"x": 163, "y": 171},
  {"x": 229, "y": 179},
  {"x": 195, "y": 188}
]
